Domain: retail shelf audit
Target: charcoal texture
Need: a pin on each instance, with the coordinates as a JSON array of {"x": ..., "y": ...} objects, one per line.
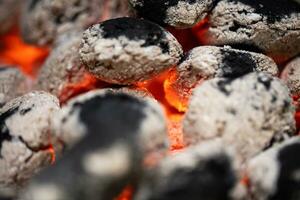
[
  {"x": 12, "y": 83},
  {"x": 9, "y": 10},
  {"x": 128, "y": 50},
  {"x": 25, "y": 136},
  {"x": 291, "y": 76},
  {"x": 207, "y": 62},
  {"x": 203, "y": 172},
  {"x": 274, "y": 174},
  {"x": 176, "y": 13},
  {"x": 272, "y": 26},
  {"x": 117, "y": 131},
  {"x": 250, "y": 113}
]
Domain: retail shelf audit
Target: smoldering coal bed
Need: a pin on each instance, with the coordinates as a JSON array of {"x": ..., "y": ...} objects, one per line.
[{"x": 149, "y": 100}]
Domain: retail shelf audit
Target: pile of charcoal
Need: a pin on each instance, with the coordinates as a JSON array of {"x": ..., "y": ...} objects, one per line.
[{"x": 238, "y": 91}]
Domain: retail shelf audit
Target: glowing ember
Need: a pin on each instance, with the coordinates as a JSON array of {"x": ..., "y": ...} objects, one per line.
[
  {"x": 200, "y": 30},
  {"x": 14, "y": 51},
  {"x": 53, "y": 155},
  {"x": 126, "y": 194}
]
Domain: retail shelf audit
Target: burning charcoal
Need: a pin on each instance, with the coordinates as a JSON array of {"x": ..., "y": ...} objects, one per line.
[
  {"x": 270, "y": 26},
  {"x": 12, "y": 83},
  {"x": 115, "y": 132},
  {"x": 274, "y": 174},
  {"x": 25, "y": 137},
  {"x": 44, "y": 20},
  {"x": 208, "y": 62},
  {"x": 62, "y": 67},
  {"x": 127, "y": 50},
  {"x": 291, "y": 75},
  {"x": 176, "y": 13},
  {"x": 249, "y": 113},
  {"x": 8, "y": 12},
  {"x": 205, "y": 172}
]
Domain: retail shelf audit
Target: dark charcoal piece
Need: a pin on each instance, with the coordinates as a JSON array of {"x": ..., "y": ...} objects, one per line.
[
  {"x": 203, "y": 172},
  {"x": 43, "y": 21},
  {"x": 110, "y": 134},
  {"x": 176, "y": 13},
  {"x": 291, "y": 76},
  {"x": 270, "y": 25},
  {"x": 207, "y": 62},
  {"x": 24, "y": 136},
  {"x": 127, "y": 50},
  {"x": 249, "y": 113},
  {"x": 12, "y": 83},
  {"x": 274, "y": 174},
  {"x": 9, "y": 9}
]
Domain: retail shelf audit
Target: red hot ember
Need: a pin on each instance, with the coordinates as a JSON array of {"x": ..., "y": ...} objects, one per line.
[{"x": 128, "y": 50}]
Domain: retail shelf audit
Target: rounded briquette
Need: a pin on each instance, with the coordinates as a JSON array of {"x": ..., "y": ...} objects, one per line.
[
  {"x": 25, "y": 136},
  {"x": 43, "y": 20},
  {"x": 291, "y": 76},
  {"x": 127, "y": 50},
  {"x": 177, "y": 13},
  {"x": 268, "y": 26},
  {"x": 207, "y": 62},
  {"x": 62, "y": 67},
  {"x": 207, "y": 171},
  {"x": 108, "y": 135},
  {"x": 274, "y": 174},
  {"x": 12, "y": 83},
  {"x": 249, "y": 113}
]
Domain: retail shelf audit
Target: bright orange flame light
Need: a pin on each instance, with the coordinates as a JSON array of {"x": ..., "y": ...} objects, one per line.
[
  {"x": 126, "y": 194},
  {"x": 15, "y": 52}
]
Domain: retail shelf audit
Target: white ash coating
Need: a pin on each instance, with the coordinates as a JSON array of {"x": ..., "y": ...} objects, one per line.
[
  {"x": 291, "y": 76},
  {"x": 43, "y": 21},
  {"x": 62, "y": 67},
  {"x": 206, "y": 171},
  {"x": 9, "y": 10},
  {"x": 178, "y": 13},
  {"x": 248, "y": 113},
  {"x": 207, "y": 62},
  {"x": 274, "y": 174},
  {"x": 276, "y": 34},
  {"x": 25, "y": 136},
  {"x": 12, "y": 83},
  {"x": 122, "y": 60},
  {"x": 151, "y": 132}
]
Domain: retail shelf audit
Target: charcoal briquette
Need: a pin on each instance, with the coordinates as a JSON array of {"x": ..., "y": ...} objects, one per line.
[{"x": 291, "y": 76}]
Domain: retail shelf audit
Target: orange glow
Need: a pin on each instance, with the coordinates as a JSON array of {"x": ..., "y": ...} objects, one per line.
[
  {"x": 297, "y": 115},
  {"x": 15, "y": 52},
  {"x": 52, "y": 153},
  {"x": 200, "y": 31},
  {"x": 126, "y": 194}
]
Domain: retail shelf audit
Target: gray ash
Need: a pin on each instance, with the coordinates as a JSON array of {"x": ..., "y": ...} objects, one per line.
[
  {"x": 291, "y": 76},
  {"x": 127, "y": 50}
]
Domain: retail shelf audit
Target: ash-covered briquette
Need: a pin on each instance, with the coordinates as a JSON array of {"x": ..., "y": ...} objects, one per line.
[
  {"x": 272, "y": 26},
  {"x": 12, "y": 83},
  {"x": 63, "y": 66},
  {"x": 274, "y": 174},
  {"x": 207, "y": 172},
  {"x": 43, "y": 20},
  {"x": 291, "y": 76},
  {"x": 25, "y": 136},
  {"x": 128, "y": 50},
  {"x": 108, "y": 135},
  {"x": 9, "y": 9},
  {"x": 177, "y": 13},
  {"x": 207, "y": 62},
  {"x": 249, "y": 113}
]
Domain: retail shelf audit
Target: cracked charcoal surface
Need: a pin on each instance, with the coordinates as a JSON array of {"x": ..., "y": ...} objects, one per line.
[
  {"x": 9, "y": 9},
  {"x": 109, "y": 132},
  {"x": 24, "y": 134},
  {"x": 207, "y": 62},
  {"x": 272, "y": 26},
  {"x": 250, "y": 113},
  {"x": 128, "y": 50},
  {"x": 291, "y": 76},
  {"x": 62, "y": 67},
  {"x": 203, "y": 172},
  {"x": 273, "y": 175},
  {"x": 43, "y": 21},
  {"x": 12, "y": 83},
  {"x": 176, "y": 13}
]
